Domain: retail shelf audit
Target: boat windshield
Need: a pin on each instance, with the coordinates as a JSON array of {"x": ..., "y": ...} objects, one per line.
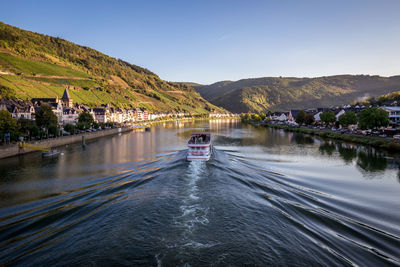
[{"x": 200, "y": 139}]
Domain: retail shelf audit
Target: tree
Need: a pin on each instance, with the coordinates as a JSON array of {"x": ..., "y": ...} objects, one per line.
[
  {"x": 348, "y": 118},
  {"x": 69, "y": 128},
  {"x": 27, "y": 127},
  {"x": 53, "y": 130},
  {"x": 45, "y": 117},
  {"x": 262, "y": 116},
  {"x": 96, "y": 125},
  {"x": 34, "y": 131},
  {"x": 7, "y": 124},
  {"x": 86, "y": 119},
  {"x": 301, "y": 117},
  {"x": 328, "y": 117},
  {"x": 81, "y": 126},
  {"x": 245, "y": 116},
  {"x": 370, "y": 118},
  {"x": 255, "y": 117},
  {"x": 309, "y": 119}
]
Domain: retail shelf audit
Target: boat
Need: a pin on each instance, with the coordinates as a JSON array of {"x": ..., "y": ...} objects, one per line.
[
  {"x": 199, "y": 147},
  {"x": 50, "y": 153}
]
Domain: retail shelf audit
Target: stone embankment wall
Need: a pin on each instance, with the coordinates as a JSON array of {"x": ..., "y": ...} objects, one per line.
[{"x": 13, "y": 149}]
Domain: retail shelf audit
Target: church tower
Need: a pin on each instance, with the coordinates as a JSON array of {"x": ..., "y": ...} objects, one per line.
[{"x": 66, "y": 99}]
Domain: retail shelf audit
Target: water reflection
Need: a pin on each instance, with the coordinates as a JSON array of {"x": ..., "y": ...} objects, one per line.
[
  {"x": 370, "y": 162},
  {"x": 347, "y": 152},
  {"x": 367, "y": 159},
  {"x": 327, "y": 148},
  {"x": 303, "y": 139}
]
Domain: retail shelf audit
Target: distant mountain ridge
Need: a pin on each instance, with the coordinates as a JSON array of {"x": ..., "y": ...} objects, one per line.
[
  {"x": 34, "y": 65},
  {"x": 276, "y": 93}
]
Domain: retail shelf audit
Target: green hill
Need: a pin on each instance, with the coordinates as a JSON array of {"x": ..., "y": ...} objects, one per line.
[
  {"x": 35, "y": 65},
  {"x": 263, "y": 94}
]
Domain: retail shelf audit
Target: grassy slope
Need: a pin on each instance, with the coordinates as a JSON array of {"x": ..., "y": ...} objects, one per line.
[
  {"x": 264, "y": 94},
  {"x": 46, "y": 65}
]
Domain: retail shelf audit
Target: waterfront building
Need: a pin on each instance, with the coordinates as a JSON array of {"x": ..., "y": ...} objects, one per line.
[
  {"x": 102, "y": 114},
  {"x": 394, "y": 115},
  {"x": 70, "y": 116}
]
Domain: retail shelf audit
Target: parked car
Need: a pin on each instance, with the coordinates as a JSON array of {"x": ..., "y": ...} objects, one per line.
[{"x": 396, "y": 136}]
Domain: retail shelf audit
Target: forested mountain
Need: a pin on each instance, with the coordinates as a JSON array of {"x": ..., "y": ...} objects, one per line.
[
  {"x": 34, "y": 65},
  {"x": 262, "y": 94}
]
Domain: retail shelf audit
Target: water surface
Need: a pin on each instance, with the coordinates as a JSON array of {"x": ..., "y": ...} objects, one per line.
[{"x": 267, "y": 197}]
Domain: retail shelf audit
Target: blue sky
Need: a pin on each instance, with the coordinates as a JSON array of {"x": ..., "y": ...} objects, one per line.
[{"x": 208, "y": 41}]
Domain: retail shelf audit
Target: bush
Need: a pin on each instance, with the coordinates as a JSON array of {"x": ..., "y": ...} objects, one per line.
[
  {"x": 53, "y": 130},
  {"x": 69, "y": 128}
]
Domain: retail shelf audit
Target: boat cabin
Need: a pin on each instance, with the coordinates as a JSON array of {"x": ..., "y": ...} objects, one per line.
[{"x": 200, "y": 138}]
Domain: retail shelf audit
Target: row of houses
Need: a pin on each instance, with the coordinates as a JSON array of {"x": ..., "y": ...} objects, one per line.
[
  {"x": 67, "y": 112},
  {"x": 290, "y": 117}
]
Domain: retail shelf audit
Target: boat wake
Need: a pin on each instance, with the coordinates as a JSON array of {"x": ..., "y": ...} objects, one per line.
[
  {"x": 335, "y": 229},
  {"x": 193, "y": 212}
]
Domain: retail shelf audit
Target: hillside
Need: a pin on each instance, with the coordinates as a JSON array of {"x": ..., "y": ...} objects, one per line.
[
  {"x": 35, "y": 65},
  {"x": 262, "y": 94}
]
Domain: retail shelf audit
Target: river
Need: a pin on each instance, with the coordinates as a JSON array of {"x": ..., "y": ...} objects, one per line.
[{"x": 267, "y": 197}]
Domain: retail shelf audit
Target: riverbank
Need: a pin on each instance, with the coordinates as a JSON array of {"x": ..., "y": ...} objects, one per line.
[
  {"x": 391, "y": 145},
  {"x": 14, "y": 149}
]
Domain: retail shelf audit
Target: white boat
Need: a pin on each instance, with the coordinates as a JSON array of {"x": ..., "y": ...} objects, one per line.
[
  {"x": 199, "y": 147},
  {"x": 51, "y": 153}
]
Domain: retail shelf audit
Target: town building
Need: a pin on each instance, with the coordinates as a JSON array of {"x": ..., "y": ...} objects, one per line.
[
  {"x": 66, "y": 100},
  {"x": 394, "y": 115}
]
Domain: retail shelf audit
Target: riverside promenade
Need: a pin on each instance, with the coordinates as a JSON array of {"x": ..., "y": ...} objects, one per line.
[{"x": 14, "y": 150}]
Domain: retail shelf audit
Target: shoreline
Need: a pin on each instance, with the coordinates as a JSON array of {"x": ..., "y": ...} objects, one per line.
[
  {"x": 390, "y": 145},
  {"x": 14, "y": 149}
]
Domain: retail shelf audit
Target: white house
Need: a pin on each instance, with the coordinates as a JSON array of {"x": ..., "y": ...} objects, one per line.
[
  {"x": 317, "y": 116},
  {"x": 340, "y": 112},
  {"x": 394, "y": 114}
]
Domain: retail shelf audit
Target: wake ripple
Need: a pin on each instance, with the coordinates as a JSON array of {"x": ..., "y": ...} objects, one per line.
[
  {"x": 325, "y": 219},
  {"x": 30, "y": 227}
]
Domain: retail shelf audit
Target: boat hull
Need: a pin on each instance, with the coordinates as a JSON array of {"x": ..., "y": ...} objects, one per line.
[
  {"x": 51, "y": 153},
  {"x": 191, "y": 157}
]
